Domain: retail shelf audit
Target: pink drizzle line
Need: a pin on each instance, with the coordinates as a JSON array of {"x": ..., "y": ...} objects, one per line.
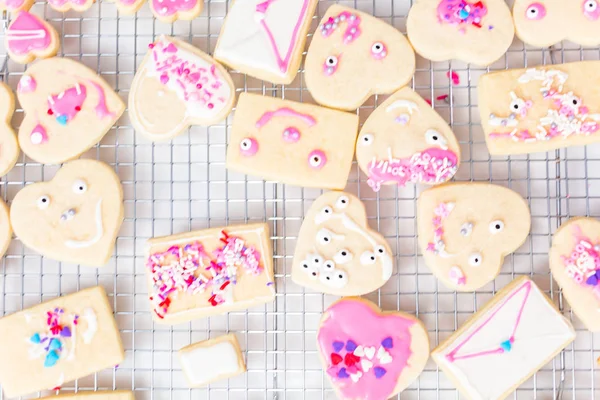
[
  {"x": 101, "y": 108},
  {"x": 285, "y": 112}
]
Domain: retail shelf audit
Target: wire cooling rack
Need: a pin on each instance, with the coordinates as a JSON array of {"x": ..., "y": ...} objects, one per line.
[{"x": 182, "y": 185}]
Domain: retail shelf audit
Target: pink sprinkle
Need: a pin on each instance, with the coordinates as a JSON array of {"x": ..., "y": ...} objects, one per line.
[
  {"x": 428, "y": 101},
  {"x": 443, "y": 97},
  {"x": 454, "y": 77},
  {"x": 210, "y": 106},
  {"x": 164, "y": 79}
]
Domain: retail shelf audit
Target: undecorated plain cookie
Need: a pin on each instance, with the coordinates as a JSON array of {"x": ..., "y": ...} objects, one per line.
[
  {"x": 29, "y": 37},
  {"x": 16, "y": 5},
  {"x": 368, "y": 353},
  {"x": 540, "y": 109},
  {"x": 337, "y": 253},
  {"x": 466, "y": 230},
  {"x": 75, "y": 217},
  {"x": 405, "y": 141},
  {"x": 472, "y": 31},
  {"x": 169, "y": 11},
  {"x": 9, "y": 147},
  {"x": 354, "y": 55},
  {"x": 176, "y": 86}
]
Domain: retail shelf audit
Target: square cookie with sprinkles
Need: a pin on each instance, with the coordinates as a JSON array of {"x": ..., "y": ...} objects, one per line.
[{"x": 202, "y": 273}]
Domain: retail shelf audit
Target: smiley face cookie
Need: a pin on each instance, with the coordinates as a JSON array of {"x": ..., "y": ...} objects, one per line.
[
  {"x": 336, "y": 252},
  {"x": 543, "y": 23},
  {"x": 9, "y": 148},
  {"x": 169, "y": 11},
  {"x": 75, "y": 217},
  {"x": 354, "y": 55},
  {"x": 473, "y": 31},
  {"x": 466, "y": 230},
  {"x": 405, "y": 141},
  {"x": 29, "y": 37}
]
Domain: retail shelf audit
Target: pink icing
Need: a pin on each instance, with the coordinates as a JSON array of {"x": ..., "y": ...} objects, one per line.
[
  {"x": 350, "y": 323},
  {"x": 591, "y": 9},
  {"x": 101, "y": 108},
  {"x": 27, "y": 33},
  {"x": 317, "y": 159},
  {"x": 26, "y": 84},
  {"x": 461, "y": 12},
  {"x": 352, "y": 29},
  {"x": 536, "y": 12},
  {"x": 457, "y": 276},
  {"x": 61, "y": 3},
  {"x": 379, "y": 51},
  {"x": 12, "y": 5},
  {"x": 441, "y": 212},
  {"x": 285, "y": 112},
  {"x": 583, "y": 264},
  {"x": 38, "y": 135},
  {"x": 248, "y": 147},
  {"x": 67, "y": 104},
  {"x": 291, "y": 135},
  {"x": 167, "y": 8}
]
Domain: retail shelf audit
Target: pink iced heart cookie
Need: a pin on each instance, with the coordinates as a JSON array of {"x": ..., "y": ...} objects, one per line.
[
  {"x": 66, "y": 5},
  {"x": 28, "y": 37},
  {"x": 9, "y": 148},
  {"x": 369, "y": 354},
  {"x": 15, "y": 5},
  {"x": 171, "y": 10}
]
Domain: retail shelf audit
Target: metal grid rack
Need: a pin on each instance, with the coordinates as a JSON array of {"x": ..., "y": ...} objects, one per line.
[{"x": 183, "y": 185}]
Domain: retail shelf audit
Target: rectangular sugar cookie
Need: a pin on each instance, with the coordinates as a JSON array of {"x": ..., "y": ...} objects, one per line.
[
  {"x": 58, "y": 341},
  {"x": 540, "y": 109},
  {"x": 212, "y": 360},
  {"x": 116, "y": 395},
  {"x": 507, "y": 341},
  {"x": 293, "y": 143},
  {"x": 202, "y": 273}
]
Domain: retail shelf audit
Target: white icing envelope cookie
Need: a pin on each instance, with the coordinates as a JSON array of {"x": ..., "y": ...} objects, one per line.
[
  {"x": 68, "y": 109},
  {"x": 336, "y": 252},
  {"x": 354, "y": 55},
  {"x": 169, "y": 11},
  {"x": 508, "y": 340},
  {"x": 540, "y": 109},
  {"x": 575, "y": 265},
  {"x": 466, "y": 230},
  {"x": 29, "y": 37},
  {"x": 473, "y": 31},
  {"x": 543, "y": 23},
  {"x": 294, "y": 143},
  {"x": 15, "y": 5},
  {"x": 176, "y": 86},
  {"x": 405, "y": 141},
  {"x": 75, "y": 217},
  {"x": 265, "y": 38},
  {"x": 9, "y": 148}
]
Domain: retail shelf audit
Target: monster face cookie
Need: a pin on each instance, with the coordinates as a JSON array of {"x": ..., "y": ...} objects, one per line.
[
  {"x": 29, "y": 37},
  {"x": 370, "y": 354},
  {"x": 169, "y": 11},
  {"x": 176, "y": 86},
  {"x": 354, "y": 55},
  {"x": 336, "y": 252},
  {"x": 74, "y": 217},
  {"x": 405, "y": 141},
  {"x": 473, "y": 31},
  {"x": 9, "y": 148},
  {"x": 466, "y": 229},
  {"x": 543, "y": 23}
]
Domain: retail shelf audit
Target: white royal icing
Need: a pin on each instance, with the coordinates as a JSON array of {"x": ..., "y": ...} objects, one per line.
[
  {"x": 79, "y": 244},
  {"x": 92, "y": 325},
  {"x": 204, "y": 364}
]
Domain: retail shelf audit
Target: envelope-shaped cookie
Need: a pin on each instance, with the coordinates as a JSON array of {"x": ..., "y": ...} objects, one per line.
[
  {"x": 57, "y": 342},
  {"x": 502, "y": 345},
  {"x": 176, "y": 86},
  {"x": 9, "y": 148},
  {"x": 540, "y": 109},
  {"x": 466, "y": 229},
  {"x": 543, "y": 23},
  {"x": 336, "y": 252},
  {"x": 575, "y": 265},
  {"x": 29, "y": 37},
  {"x": 100, "y": 395},
  {"x": 15, "y": 5},
  {"x": 265, "y": 38},
  {"x": 354, "y": 55},
  {"x": 169, "y": 11},
  {"x": 294, "y": 143},
  {"x": 473, "y": 31},
  {"x": 405, "y": 141},
  {"x": 202, "y": 273}
]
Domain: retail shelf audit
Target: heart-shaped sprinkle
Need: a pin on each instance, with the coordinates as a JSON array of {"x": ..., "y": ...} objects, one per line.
[
  {"x": 370, "y": 352},
  {"x": 35, "y": 338},
  {"x": 338, "y": 346},
  {"x": 387, "y": 343},
  {"x": 359, "y": 351},
  {"x": 336, "y": 359},
  {"x": 383, "y": 356},
  {"x": 355, "y": 377},
  {"x": 351, "y": 345},
  {"x": 366, "y": 365},
  {"x": 54, "y": 345},
  {"x": 51, "y": 359},
  {"x": 66, "y": 332},
  {"x": 351, "y": 359},
  {"x": 343, "y": 374},
  {"x": 379, "y": 372}
]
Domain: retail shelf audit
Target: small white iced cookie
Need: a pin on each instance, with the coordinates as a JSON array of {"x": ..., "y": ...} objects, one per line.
[
  {"x": 540, "y": 109},
  {"x": 66, "y": 5},
  {"x": 466, "y": 230},
  {"x": 128, "y": 7},
  {"x": 337, "y": 253},
  {"x": 16, "y": 5},
  {"x": 265, "y": 38},
  {"x": 473, "y": 31},
  {"x": 508, "y": 340},
  {"x": 29, "y": 37},
  {"x": 57, "y": 342},
  {"x": 75, "y": 217},
  {"x": 9, "y": 148},
  {"x": 543, "y": 23},
  {"x": 169, "y": 11},
  {"x": 99, "y": 395},
  {"x": 211, "y": 360},
  {"x": 405, "y": 141},
  {"x": 294, "y": 143},
  {"x": 575, "y": 265},
  {"x": 176, "y": 86},
  {"x": 354, "y": 55}
]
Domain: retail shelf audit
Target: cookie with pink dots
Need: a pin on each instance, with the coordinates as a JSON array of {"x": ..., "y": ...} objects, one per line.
[
  {"x": 29, "y": 37},
  {"x": 540, "y": 109},
  {"x": 354, "y": 55},
  {"x": 16, "y": 5},
  {"x": 169, "y": 11},
  {"x": 9, "y": 147},
  {"x": 543, "y": 23},
  {"x": 473, "y": 31}
]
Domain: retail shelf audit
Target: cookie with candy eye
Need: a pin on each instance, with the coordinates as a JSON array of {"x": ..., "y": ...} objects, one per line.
[
  {"x": 473, "y": 31},
  {"x": 9, "y": 148},
  {"x": 75, "y": 217},
  {"x": 354, "y": 55},
  {"x": 28, "y": 37},
  {"x": 405, "y": 141},
  {"x": 543, "y": 23},
  {"x": 169, "y": 11},
  {"x": 466, "y": 229}
]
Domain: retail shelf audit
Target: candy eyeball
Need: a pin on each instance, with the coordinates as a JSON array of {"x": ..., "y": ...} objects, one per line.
[
  {"x": 324, "y": 236},
  {"x": 248, "y": 147},
  {"x": 328, "y": 265},
  {"x": 343, "y": 256},
  {"x": 435, "y": 138},
  {"x": 378, "y": 50},
  {"x": 43, "y": 202},
  {"x": 496, "y": 227},
  {"x": 339, "y": 278},
  {"x": 591, "y": 9},
  {"x": 368, "y": 258},
  {"x": 317, "y": 159},
  {"x": 366, "y": 139},
  {"x": 315, "y": 260},
  {"x": 330, "y": 65},
  {"x": 310, "y": 269},
  {"x": 535, "y": 12},
  {"x": 324, "y": 215},
  {"x": 475, "y": 260},
  {"x": 379, "y": 251},
  {"x": 517, "y": 105},
  {"x": 342, "y": 202},
  {"x": 79, "y": 186}
]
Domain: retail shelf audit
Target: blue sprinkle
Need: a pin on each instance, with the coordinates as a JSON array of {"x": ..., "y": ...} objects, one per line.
[
  {"x": 62, "y": 119},
  {"x": 51, "y": 359},
  {"x": 506, "y": 345},
  {"x": 379, "y": 372},
  {"x": 387, "y": 343},
  {"x": 343, "y": 374},
  {"x": 54, "y": 345},
  {"x": 338, "y": 346},
  {"x": 463, "y": 14},
  {"x": 35, "y": 338},
  {"x": 351, "y": 346}
]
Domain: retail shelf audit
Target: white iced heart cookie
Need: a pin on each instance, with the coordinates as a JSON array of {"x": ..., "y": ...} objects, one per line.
[
  {"x": 543, "y": 23},
  {"x": 473, "y": 31},
  {"x": 405, "y": 141},
  {"x": 466, "y": 229},
  {"x": 336, "y": 252},
  {"x": 9, "y": 148},
  {"x": 176, "y": 86},
  {"x": 75, "y": 217},
  {"x": 354, "y": 55}
]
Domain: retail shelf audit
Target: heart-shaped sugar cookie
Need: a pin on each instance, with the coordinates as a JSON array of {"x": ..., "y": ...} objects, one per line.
[
  {"x": 15, "y": 5},
  {"x": 5, "y": 228},
  {"x": 66, "y": 5},
  {"x": 9, "y": 148},
  {"x": 169, "y": 11},
  {"x": 336, "y": 252},
  {"x": 29, "y": 37},
  {"x": 75, "y": 217},
  {"x": 128, "y": 7}
]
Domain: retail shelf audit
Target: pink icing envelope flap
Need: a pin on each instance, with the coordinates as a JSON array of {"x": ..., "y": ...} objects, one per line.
[{"x": 27, "y": 33}]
